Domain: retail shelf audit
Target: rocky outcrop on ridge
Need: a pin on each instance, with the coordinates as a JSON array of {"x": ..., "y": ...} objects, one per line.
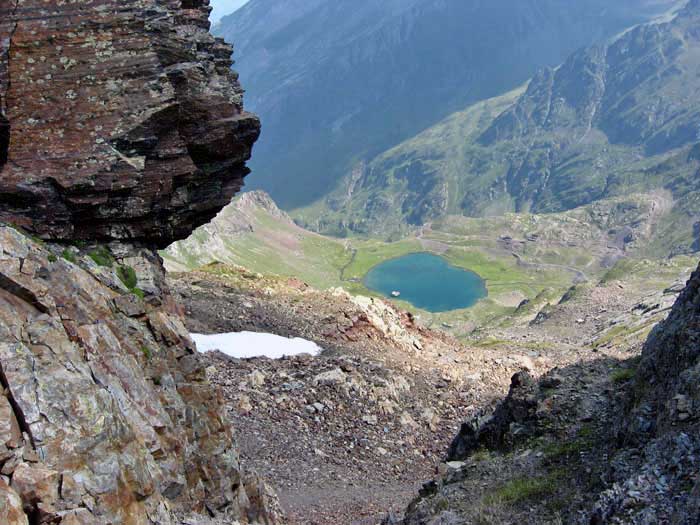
[
  {"x": 106, "y": 414},
  {"x": 655, "y": 473},
  {"x": 121, "y": 129},
  {"x": 222, "y": 237},
  {"x": 118, "y": 119}
]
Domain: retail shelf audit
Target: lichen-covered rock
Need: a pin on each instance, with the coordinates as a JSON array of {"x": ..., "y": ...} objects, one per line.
[
  {"x": 119, "y": 119},
  {"x": 107, "y": 415}
]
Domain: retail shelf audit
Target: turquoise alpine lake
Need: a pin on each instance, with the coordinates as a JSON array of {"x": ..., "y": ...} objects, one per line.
[{"x": 427, "y": 281}]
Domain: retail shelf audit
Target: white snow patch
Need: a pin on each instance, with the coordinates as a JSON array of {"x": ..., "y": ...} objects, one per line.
[{"x": 253, "y": 344}]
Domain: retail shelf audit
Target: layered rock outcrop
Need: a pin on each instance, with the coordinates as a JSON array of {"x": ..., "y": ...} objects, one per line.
[
  {"x": 121, "y": 129},
  {"x": 118, "y": 119},
  {"x": 106, "y": 414}
]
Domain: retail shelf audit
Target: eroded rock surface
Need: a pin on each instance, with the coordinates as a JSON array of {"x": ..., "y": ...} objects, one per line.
[
  {"x": 121, "y": 129},
  {"x": 106, "y": 414},
  {"x": 607, "y": 440},
  {"x": 118, "y": 119}
]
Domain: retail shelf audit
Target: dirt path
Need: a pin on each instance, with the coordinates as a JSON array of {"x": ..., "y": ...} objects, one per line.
[
  {"x": 346, "y": 266},
  {"x": 346, "y": 505},
  {"x": 579, "y": 276}
]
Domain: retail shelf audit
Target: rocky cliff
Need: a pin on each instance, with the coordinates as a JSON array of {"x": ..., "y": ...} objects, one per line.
[
  {"x": 121, "y": 129},
  {"x": 124, "y": 119},
  {"x": 668, "y": 382},
  {"x": 106, "y": 415},
  {"x": 601, "y": 441}
]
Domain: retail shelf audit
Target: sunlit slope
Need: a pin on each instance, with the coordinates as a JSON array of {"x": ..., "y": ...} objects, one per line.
[
  {"x": 614, "y": 119},
  {"x": 337, "y": 82}
]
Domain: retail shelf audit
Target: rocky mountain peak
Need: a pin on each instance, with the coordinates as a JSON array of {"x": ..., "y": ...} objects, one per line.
[
  {"x": 261, "y": 200},
  {"x": 118, "y": 120},
  {"x": 615, "y": 88}
]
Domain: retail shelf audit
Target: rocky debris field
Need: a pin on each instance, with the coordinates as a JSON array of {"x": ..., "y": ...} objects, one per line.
[
  {"x": 354, "y": 433},
  {"x": 348, "y": 423},
  {"x": 591, "y": 317},
  {"x": 609, "y": 439},
  {"x": 363, "y": 424}
]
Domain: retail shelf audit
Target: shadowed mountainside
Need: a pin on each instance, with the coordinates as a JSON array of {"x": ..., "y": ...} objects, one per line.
[
  {"x": 337, "y": 82},
  {"x": 615, "y": 118}
]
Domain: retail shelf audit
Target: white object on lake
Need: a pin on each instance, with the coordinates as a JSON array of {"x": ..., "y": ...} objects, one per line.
[
  {"x": 395, "y": 294},
  {"x": 253, "y": 344}
]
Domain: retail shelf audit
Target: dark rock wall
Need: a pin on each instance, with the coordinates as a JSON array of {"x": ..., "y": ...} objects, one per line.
[
  {"x": 125, "y": 120},
  {"x": 121, "y": 129},
  {"x": 666, "y": 397}
]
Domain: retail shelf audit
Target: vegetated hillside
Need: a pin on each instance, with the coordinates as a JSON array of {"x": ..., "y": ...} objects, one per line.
[
  {"x": 527, "y": 260},
  {"x": 338, "y": 81},
  {"x": 253, "y": 232},
  {"x": 613, "y": 119}
]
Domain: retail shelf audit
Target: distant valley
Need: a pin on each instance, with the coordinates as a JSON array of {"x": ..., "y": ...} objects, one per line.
[
  {"x": 337, "y": 83},
  {"x": 528, "y": 261},
  {"x": 614, "y": 119}
]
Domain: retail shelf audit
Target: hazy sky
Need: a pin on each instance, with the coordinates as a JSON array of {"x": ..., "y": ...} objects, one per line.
[{"x": 224, "y": 7}]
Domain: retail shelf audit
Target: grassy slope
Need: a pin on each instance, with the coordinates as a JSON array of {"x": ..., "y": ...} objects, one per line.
[
  {"x": 440, "y": 151},
  {"x": 520, "y": 256},
  {"x": 274, "y": 246},
  {"x": 495, "y": 157}
]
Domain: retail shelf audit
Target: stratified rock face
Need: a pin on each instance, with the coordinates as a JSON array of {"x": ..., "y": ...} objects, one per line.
[
  {"x": 119, "y": 119},
  {"x": 106, "y": 414},
  {"x": 122, "y": 123},
  {"x": 668, "y": 397}
]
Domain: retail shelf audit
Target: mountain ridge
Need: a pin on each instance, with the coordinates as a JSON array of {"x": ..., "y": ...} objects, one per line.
[
  {"x": 333, "y": 98},
  {"x": 589, "y": 129}
]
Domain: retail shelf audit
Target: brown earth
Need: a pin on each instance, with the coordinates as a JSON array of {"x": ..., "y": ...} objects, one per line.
[{"x": 309, "y": 422}]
